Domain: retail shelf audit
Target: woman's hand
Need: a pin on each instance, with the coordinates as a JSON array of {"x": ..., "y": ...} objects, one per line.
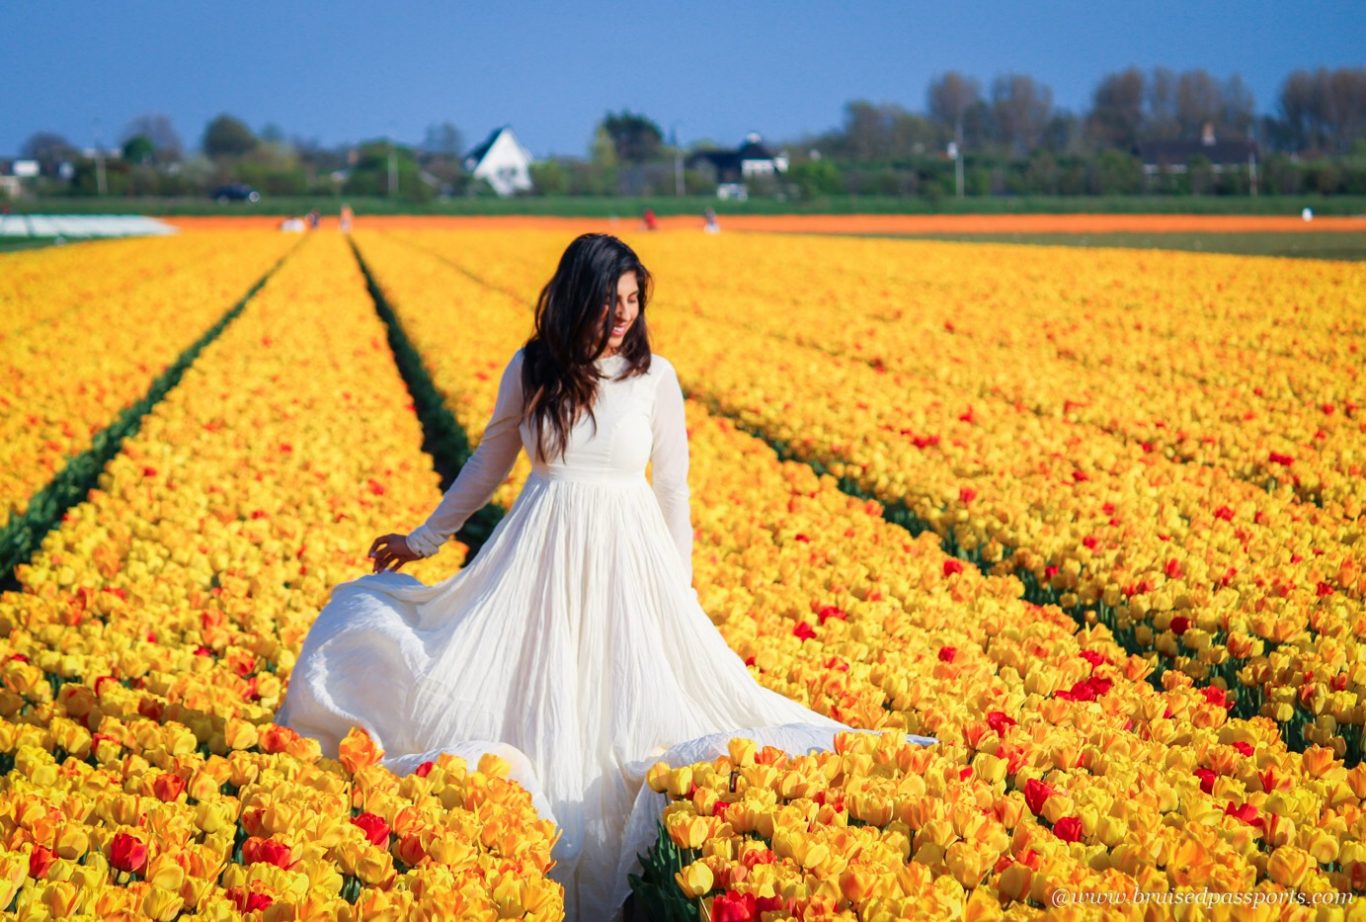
[{"x": 392, "y": 549}]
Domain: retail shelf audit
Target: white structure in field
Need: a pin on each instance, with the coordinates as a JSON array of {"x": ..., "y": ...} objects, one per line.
[
  {"x": 502, "y": 161},
  {"x": 63, "y": 226}
]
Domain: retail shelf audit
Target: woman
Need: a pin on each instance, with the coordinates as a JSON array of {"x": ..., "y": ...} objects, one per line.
[{"x": 572, "y": 644}]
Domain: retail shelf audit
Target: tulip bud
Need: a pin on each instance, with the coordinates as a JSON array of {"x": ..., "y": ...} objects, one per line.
[{"x": 695, "y": 880}]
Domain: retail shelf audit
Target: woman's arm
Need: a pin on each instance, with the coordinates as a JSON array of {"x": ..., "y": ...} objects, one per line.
[
  {"x": 669, "y": 461},
  {"x": 488, "y": 467}
]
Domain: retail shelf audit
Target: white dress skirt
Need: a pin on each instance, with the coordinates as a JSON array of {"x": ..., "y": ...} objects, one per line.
[{"x": 572, "y": 644}]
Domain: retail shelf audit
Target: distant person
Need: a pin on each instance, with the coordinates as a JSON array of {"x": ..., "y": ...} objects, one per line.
[
  {"x": 346, "y": 216},
  {"x": 314, "y": 217},
  {"x": 712, "y": 227},
  {"x": 1307, "y": 214},
  {"x": 651, "y": 222}
]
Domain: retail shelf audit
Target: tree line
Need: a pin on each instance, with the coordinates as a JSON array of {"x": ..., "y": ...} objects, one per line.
[{"x": 1010, "y": 136}]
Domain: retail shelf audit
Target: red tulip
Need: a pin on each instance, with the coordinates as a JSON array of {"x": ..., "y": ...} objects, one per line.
[
  {"x": 733, "y": 907},
  {"x": 268, "y": 851},
  {"x": 39, "y": 860},
  {"x": 374, "y": 827},
  {"x": 1068, "y": 828},
  {"x": 127, "y": 853},
  {"x": 998, "y": 721},
  {"x": 1215, "y": 695},
  {"x": 1245, "y": 812},
  {"x": 1036, "y": 792},
  {"x": 826, "y": 612},
  {"x": 249, "y": 900},
  {"x": 168, "y": 787}
]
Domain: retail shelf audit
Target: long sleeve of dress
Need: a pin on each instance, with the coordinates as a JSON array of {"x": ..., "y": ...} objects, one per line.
[
  {"x": 488, "y": 467},
  {"x": 669, "y": 462}
]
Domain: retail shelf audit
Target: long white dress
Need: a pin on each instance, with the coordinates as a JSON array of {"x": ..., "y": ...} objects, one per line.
[{"x": 572, "y": 644}]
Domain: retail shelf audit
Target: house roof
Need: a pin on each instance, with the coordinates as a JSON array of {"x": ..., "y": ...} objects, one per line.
[
  {"x": 753, "y": 150},
  {"x": 477, "y": 154},
  {"x": 721, "y": 159},
  {"x": 1182, "y": 151}
]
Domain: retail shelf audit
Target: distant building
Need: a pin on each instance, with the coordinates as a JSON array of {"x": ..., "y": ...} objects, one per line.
[
  {"x": 12, "y": 176},
  {"x": 732, "y": 169},
  {"x": 502, "y": 161},
  {"x": 1175, "y": 156}
]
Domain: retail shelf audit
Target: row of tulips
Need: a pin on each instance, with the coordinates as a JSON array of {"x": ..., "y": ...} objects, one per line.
[
  {"x": 39, "y": 285},
  {"x": 1251, "y": 592},
  {"x": 1251, "y": 365},
  {"x": 1060, "y": 766},
  {"x": 1278, "y": 406},
  {"x": 89, "y": 334},
  {"x": 153, "y": 634}
]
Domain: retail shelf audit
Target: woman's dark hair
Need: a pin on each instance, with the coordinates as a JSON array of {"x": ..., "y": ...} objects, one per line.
[{"x": 573, "y": 327}]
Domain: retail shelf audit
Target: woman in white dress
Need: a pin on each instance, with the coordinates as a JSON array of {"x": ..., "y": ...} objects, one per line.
[{"x": 573, "y": 643}]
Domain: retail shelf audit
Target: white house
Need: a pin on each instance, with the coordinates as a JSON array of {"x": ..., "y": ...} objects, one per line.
[
  {"x": 502, "y": 161},
  {"x": 732, "y": 168}
]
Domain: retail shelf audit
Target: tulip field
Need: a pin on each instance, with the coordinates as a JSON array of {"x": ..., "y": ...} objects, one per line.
[{"x": 1094, "y": 519}]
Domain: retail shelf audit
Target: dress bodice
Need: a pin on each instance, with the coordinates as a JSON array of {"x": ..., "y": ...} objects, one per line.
[
  {"x": 636, "y": 420},
  {"x": 614, "y": 444}
]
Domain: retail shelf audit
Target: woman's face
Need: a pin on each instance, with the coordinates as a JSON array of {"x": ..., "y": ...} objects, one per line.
[{"x": 624, "y": 312}]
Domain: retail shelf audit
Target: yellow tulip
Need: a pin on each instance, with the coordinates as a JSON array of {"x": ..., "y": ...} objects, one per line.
[{"x": 695, "y": 879}]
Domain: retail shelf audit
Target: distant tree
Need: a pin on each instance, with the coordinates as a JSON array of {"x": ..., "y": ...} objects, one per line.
[
  {"x": 1117, "y": 172},
  {"x": 865, "y": 133},
  {"x": 1324, "y": 110},
  {"x": 635, "y": 137},
  {"x": 370, "y": 175},
  {"x": 445, "y": 139},
  {"x": 1197, "y": 101},
  {"x": 909, "y": 134},
  {"x": 549, "y": 177},
  {"x": 1021, "y": 108},
  {"x": 815, "y": 178},
  {"x": 1237, "y": 107},
  {"x": 979, "y": 125},
  {"x": 157, "y": 128},
  {"x": 1116, "y": 115},
  {"x": 49, "y": 149},
  {"x": 949, "y": 98},
  {"x": 1200, "y": 175},
  {"x": 441, "y": 156},
  {"x": 139, "y": 149},
  {"x": 1162, "y": 123},
  {"x": 272, "y": 133},
  {"x": 1062, "y": 134},
  {"x": 603, "y": 152},
  {"x": 883, "y": 132},
  {"x": 226, "y": 136},
  {"x": 1276, "y": 135},
  {"x": 1347, "y": 107}
]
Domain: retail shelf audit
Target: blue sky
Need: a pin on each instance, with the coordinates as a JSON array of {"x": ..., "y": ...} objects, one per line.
[{"x": 349, "y": 70}]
